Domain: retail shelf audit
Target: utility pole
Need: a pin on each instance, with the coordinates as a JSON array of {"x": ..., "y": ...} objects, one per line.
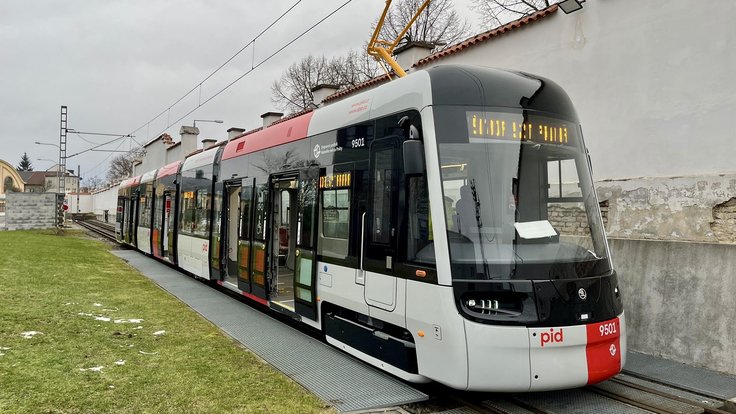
[
  {"x": 79, "y": 177},
  {"x": 61, "y": 172}
]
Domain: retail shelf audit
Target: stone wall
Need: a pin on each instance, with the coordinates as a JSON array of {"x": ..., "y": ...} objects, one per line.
[
  {"x": 24, "y": 211},
  {"x": 696, "y": 209},
  {"x": 724, "y": 221},
  {"x": 572, "y": 220}
]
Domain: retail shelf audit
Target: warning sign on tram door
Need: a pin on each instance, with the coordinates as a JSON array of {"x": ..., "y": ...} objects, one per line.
[{"x": 65, "y": 207}]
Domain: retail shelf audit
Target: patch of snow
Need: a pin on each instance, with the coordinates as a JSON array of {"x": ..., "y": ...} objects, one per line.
[
  {"x": 128, "y": 320},
  {"x": 147, "y": 353},
  {"x": 71, "y": 303},
  {"x": 99, "y": 305},
  {"x": 138, "y": 327},
  {"x": 112, "y": 387},
  {"x": 1, "y": 354},
  {"x": 159, "y": 333},
  {"x": 120, "y": 362},
  {"x": 102, "y": 318},
  {"x": 93, "y": 369},
  {"x": 4, "y": 348},
  {"x": 30, "y": 334},
  {"x": 85, "y": 314},
  {"x": 111, "y": 310}
]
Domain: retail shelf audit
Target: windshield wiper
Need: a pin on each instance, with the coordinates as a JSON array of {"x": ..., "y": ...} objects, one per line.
[{"x": 479, "y": 223}]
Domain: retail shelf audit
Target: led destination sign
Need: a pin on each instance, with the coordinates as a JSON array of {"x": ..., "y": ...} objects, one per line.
[
  {"x": 340, "y": 180},
  {"x": 511, "y": 127}
]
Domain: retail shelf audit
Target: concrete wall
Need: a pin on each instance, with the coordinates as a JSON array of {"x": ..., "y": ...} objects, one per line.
[
  {"x": 679, "y": 300},
  {"x": 24, "y": 211}
]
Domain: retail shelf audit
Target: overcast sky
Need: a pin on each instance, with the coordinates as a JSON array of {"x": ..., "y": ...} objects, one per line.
[{"x": 118, "y": 63}]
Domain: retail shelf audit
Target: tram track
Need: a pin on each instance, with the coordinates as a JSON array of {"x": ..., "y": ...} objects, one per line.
[
  {"x": 103, "y": 229},
  {"x": 623, "y": 394}
]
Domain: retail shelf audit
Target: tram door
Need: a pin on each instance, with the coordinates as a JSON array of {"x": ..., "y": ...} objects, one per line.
[
  {"x": 292, "y": 244},
  {"x": 120, "y": 219},
  {"x": 305, "y": 262},
  {"x": 382, "y": 224},
  {"x": 231, "y": 211},
  {"x": 166, "y": 226},
  {"x": 282, "y": 242},
  {"x": 245, "y": 235}
]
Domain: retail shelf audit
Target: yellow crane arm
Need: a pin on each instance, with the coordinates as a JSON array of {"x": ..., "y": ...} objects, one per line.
[{"x": 383, "y": 49}]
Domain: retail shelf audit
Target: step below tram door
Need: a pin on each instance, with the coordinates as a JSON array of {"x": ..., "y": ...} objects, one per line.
[{"x": 292, "y": 264}]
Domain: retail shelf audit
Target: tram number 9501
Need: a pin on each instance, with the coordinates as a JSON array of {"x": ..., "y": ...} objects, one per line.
[
  {"x": 607, "y": 329},
  {"x": 357, "y": 142}
]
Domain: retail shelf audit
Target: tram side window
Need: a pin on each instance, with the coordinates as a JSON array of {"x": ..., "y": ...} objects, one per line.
[
  {"x": 335, "y": 223},
  {"x": 188, "y": 211},
  {"x": 382, "y": 182},
  {"x": 145, "y": 207},
  {"x": 195, "y": 213},
  {"x": 419, "y": 247},
  {"x": 158, "y": 208},
  {"x": 260, "y": 212},
  {"x": 245, "y": 212}
]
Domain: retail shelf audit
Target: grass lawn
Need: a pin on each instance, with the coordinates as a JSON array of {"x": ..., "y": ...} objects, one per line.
[{"x": 109, "y": 340}]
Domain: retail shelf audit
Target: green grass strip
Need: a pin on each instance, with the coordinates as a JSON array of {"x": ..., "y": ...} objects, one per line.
[{"x": 72, "y": 290}]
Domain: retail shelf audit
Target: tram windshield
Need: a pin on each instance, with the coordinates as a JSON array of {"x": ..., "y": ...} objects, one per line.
[{"x": 518, "y": 196}]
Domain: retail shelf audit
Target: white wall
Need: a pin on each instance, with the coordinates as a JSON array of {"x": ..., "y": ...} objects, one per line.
[
  {"x": 85, "y": 203},
  {"x": 651, "y": 81},
  {"x": 105, "y": 200}
]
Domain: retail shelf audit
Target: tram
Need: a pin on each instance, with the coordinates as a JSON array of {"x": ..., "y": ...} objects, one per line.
[{"x": 442, "y": 227}]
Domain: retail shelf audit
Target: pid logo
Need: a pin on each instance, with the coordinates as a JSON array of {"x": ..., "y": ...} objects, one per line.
[{"x": 552, "y": 337}]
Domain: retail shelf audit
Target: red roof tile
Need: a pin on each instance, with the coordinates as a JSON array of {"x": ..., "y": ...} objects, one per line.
[{"x": 482, "y": 37}]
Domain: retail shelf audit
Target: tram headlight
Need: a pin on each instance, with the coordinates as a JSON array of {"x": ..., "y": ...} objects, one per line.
[
  {"x": 502, "y": 302},
  {"x": 482, "y": 304}
]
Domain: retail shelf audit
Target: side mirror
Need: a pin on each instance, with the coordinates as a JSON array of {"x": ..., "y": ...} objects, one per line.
[{"x": 413, "y": 158}]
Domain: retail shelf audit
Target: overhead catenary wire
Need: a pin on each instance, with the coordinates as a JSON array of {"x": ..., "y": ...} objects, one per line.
[
  {"x": 256, "y": 66},
  {"x": 199, "y": 85}
]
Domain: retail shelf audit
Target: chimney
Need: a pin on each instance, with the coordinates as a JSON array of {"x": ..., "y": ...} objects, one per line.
[
  {"x": 234, "y": 132},
  {"x": 208, "y": 143},
  {"x": 188, "y": 139},
  {"x": 271, "y": 117},
  {"x": 411, "y": 53},
  {"x": 166, "y": 139},
  {"x": 322, "y": 91}
]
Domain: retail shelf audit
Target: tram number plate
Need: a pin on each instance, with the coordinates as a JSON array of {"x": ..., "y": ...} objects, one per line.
[
  {"x": 358, "y": 142},
  {"x": 607, "y": 329}
]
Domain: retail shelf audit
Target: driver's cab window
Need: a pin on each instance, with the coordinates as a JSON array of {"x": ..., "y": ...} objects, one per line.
[{"x": 565, "y": 207}]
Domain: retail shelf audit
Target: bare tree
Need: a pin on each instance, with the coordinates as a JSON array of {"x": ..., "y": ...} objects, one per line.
[
  {"x": 439, "y": 24},
  {"x": 354, "y": 68},
  {"x": 497, "y": 12},
  {"x": 121, "y": 166},
  {"x": 93, "y": 183},
  {"x": 293, "y": 91}
]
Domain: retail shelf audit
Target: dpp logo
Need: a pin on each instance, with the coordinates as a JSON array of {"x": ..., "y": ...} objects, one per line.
[
  {"x": 552, "y": 337},
  {"x": 317, "y": 151}
]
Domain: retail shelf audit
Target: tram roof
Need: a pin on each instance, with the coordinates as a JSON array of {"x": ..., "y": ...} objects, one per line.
[
  {"x": 168, "y": 169},
  {"x": 277, "y": 134}
]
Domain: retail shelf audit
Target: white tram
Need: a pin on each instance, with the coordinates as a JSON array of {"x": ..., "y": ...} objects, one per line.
[{"x": 442, "y": 227}]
